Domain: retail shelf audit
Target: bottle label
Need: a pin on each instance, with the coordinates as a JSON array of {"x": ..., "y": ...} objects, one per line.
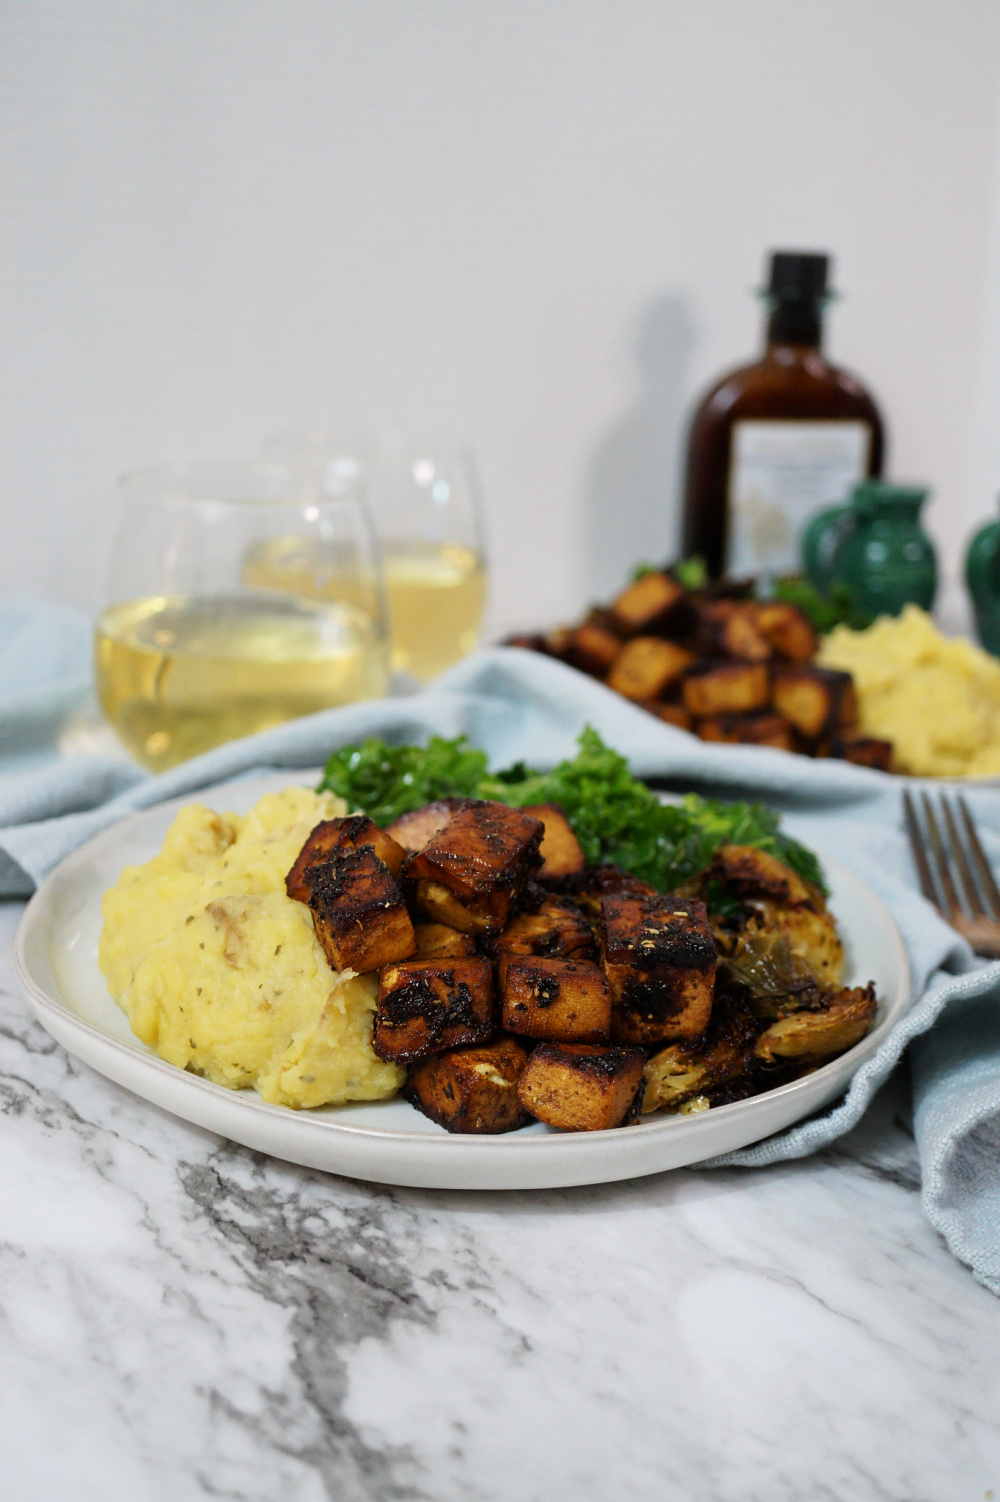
[{"x": 780, "y": 475}]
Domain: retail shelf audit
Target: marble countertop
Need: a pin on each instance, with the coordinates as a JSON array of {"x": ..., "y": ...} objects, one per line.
[{"x": 183, "y": 1318}]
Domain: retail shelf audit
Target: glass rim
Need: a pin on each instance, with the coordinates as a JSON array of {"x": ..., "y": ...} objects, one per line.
[{"x": 237, "y": 482}]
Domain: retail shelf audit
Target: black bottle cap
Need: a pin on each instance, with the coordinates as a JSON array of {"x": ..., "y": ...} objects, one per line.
[{"x": 798, "y": 276}]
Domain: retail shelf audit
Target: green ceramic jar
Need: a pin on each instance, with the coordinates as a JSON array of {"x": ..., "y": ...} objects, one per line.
[
  {"x": 982, "y": 575},
  {"x": 875, "y": 545}
]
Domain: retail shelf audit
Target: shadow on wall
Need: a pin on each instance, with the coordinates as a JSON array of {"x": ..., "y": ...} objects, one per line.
[{"x": 632, "y": 483}]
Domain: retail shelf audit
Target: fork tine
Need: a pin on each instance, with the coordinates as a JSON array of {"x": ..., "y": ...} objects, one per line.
[
  {"x": 940, "y": 859},
  {"x": 974, "y": 903},
  {"x": 979, "y": 856},
  {"x": 919, "y": 853}
]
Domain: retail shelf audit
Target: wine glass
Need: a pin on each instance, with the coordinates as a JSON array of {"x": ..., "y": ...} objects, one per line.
[
  {"x": 240, "y": 596},
  {"x": 425, "y": 504}
]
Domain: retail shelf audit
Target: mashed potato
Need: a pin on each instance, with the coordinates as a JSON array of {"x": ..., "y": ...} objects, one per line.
[
  {"x": 936, "y": 698},
  {"x": 220, "y": 972}
]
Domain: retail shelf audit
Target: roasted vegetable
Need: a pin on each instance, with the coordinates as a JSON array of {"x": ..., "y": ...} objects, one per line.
[
  {"x": 471, "y": 1089},
  {"x": 822, "y": 1031},
  {"x": 425, "y": 1006},
  {"x": 563, "y": 1000},
  {"x": 685, "y": 1070},
  {"x": 580, "y": 1088}
]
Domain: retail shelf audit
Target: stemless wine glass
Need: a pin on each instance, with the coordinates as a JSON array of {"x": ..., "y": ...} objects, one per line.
[
  {"x": 240, "y": 596},
  {"x": 426, "y": 508}
]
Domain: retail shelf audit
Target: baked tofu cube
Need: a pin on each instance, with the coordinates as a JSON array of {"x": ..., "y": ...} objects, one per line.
[
  {"x": 425, "y": 1006},
  {"x": 862, "y": 750},
  {"x": 358, "y": 911},
  {"x": 647, "y": 666},
  {"x": 716, "y": 688},
  {"x": 598, "y": 882},
  {"x": 659, "y": 957},
  {"x": 670, "y": 714},
  {"x": 555, "y": 928},
  {"x": 789, "y": 632},
  {"x": 594, "y": 649},
  {"x": 352, "y": 833},
  {"x": 580, "y": 1088},
  {"x": 437, "y": 941},
  {"x": 471, "y": 1089},
  {"x": 413, "y": 830},
  {"x": 728, "y": 628},
  {"x": 560, "y": 848},
  {"x": 654, "y": 602},
  {"x": 562, "y": 1001},
  {"x": 527, "y": 641},
  {"x": 470, "y": 874},
  {"x": 558, "y": 643},
  {"x": 764, "y": 729},
  {"x": 817, "y": 701}
]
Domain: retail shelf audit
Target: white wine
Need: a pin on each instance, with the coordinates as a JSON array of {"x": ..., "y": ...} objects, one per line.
[
  {"x": 436, "y": 593},
  {"x": 177, "y": 676},
  {"x": 436, "y": 599}
]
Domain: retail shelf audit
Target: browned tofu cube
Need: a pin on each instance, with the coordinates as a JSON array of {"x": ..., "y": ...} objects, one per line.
[
  {"x": 652, "y": 603},
  {"x": 789, "y": 632},
  {"x": 558, "y": 643},
  {"x": 669, "y": 713},
  {"x": 425, "y": 1006},
  {"x": 659, "y": 956},
  {"x": 763, "y": 729},
  {"x": 728, "y": 628},
  {"x": 527, "y": 641},
  {"x": 715, "y": 688},
  {"x": 862, "y": 750},
  {"x": 579, "y": 1088},
  {"x": 438, "y": 941},
  {"x": 817, "y": 701},
  {"x": 555, "y": 927},
  {"x": 470, "y": 874},
  {"x": 471, "y": 1089},
  {"x": 594, "y": 649},
  {"x": 415, "y": 829},
  {"x": 647, "y": 666},
  {"x": 598, "y": 882},
  {"x": 358, "y": 911},
  {"x": 560, "y": 848},
  {"x": 352, "y": 833},
  {"x": 562, "y": 1001}
]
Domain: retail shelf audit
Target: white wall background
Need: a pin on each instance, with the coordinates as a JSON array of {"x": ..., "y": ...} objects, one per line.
[{"x": 534, "y": 222}]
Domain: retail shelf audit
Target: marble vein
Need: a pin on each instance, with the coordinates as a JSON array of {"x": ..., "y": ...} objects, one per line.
[{"x": 182, "y": 1318}]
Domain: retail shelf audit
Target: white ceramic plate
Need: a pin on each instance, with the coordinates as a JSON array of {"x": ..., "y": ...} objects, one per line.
[{"x": 391, "y": 1142}]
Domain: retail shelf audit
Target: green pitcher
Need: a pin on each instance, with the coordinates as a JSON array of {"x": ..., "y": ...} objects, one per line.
[
  {"x": 875, "y": 545},
  {"x": 982, "y": 575}
]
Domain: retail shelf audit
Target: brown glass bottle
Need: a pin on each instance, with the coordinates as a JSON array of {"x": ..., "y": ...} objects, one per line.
[{"x": 773, "y": 442}]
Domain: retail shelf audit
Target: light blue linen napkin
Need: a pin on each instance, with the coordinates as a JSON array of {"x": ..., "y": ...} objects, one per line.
[{"x": 519, "y": 706}]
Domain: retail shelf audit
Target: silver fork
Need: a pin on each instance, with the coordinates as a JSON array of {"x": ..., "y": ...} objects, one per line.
[{"x": 976, "y": 914}]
